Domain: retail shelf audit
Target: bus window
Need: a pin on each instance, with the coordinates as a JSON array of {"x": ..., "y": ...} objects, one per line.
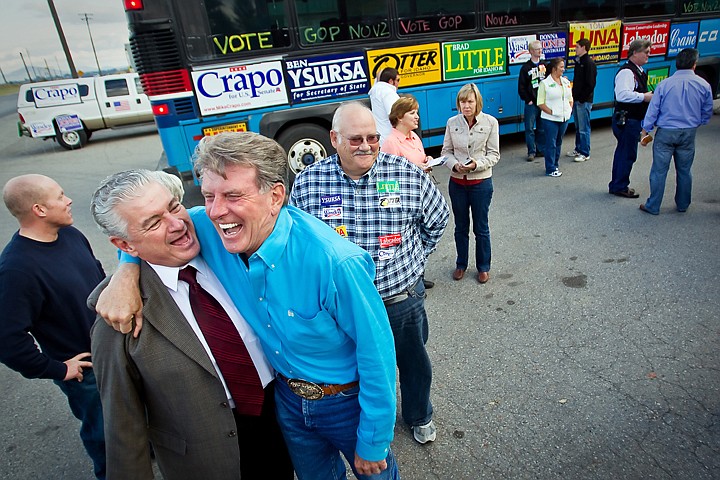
[
  {"x": 429, "y": 16},
  {"x": 649, "y": 8},
  {"x": 693, "y": 7},
  {"x": 574, "y": 11},
  {"x": 117, "y": 87},
  {"x": 226, "y": 29},
  {"x": 508, "y": 13},
  {"x": 326, "y": 21}
]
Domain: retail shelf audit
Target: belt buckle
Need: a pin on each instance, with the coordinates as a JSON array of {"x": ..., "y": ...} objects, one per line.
[{"x": 305, "y": 389}]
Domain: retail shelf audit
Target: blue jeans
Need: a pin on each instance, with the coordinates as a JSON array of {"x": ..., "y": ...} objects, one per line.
[
  {"x": 84, "y": 400},
  {"x": 581, "y": 116},
  {"x": 625, "y": 153},
  {"x": 409, "y": 324},
  {"x": 554, "y": 132},
  {"x": 475, "y": 198},
  {"x": 680, "y": 144},
  {"x": 534, "y": 133},
  {"x": 316, "y": 431}
]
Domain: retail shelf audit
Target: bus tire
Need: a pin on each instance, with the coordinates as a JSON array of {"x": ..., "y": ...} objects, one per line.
[
  {"x": 72, "y": 140},
  {"x": 305, "y": 144}
]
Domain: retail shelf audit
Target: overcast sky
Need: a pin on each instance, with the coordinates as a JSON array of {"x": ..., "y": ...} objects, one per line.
[{"x": 27, "y": 27}]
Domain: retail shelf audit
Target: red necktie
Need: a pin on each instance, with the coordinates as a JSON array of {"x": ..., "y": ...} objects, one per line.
[{"x": 226, "y": 346}]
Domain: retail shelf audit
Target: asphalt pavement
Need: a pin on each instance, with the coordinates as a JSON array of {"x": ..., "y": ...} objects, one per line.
[{"x": 592, "y": 352}]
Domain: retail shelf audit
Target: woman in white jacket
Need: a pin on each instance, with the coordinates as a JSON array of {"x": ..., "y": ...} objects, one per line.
[
  {"x": 471, "y": 148},
  {"x": 555, "y": 100}
]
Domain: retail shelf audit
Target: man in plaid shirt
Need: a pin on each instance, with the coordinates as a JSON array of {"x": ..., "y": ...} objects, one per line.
[{"x": 392, "y": 209}]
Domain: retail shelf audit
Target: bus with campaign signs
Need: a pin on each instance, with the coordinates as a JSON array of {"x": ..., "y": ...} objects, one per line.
[{"x": 280, "y": 67}]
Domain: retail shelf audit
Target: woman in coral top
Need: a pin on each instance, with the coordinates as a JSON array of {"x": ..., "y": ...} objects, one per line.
[{"x": 402, "y": 140}]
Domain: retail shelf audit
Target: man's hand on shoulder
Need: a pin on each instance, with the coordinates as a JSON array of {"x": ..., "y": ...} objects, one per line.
[
  {"x": 366, "y": 467},
  {"x": 120, "y": 303},
  {"x": 75, "y": 367}
]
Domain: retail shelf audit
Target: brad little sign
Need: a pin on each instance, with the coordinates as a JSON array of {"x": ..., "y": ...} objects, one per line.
[{"x": 474, "y": 58}]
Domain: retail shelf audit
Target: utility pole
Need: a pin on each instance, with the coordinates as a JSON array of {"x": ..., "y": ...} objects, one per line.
[
  {"x": 47, "y": 68},
  {"x": 32, "y": 67},
  {"x": 25, "y": 65},
  {"x": 66, "y": 49},
  {"x": 3, "y": 75},
  {"x": 87, "y": 17}
]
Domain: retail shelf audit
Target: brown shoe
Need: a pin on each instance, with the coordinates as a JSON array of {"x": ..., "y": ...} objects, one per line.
[
  {"x": 458, "y": 274},
  {"x": 483, "y": 277}
]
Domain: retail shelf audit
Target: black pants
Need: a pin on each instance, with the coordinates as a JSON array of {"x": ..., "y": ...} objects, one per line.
[{"x": 263, "y": 454}]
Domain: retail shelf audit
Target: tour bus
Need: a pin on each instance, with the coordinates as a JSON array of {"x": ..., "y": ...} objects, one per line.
[{"x": 281, "y": 67}]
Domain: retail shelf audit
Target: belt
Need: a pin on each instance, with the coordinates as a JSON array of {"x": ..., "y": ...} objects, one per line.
[
  {"x": 313, "y": 391},
  {"x": 402, "y": 296}
]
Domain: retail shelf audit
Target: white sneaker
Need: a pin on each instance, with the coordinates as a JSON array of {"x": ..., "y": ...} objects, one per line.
[
  {"x": 574, "y": 153},
  {"x": 582, "y": 158},
  {"x": 424, "y": 433}
]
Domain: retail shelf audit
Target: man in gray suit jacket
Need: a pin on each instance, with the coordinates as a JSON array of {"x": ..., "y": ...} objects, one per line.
[{"x": 165, "y": 386}]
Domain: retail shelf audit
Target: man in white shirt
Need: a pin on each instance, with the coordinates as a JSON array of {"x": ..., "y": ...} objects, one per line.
[
  {"x": 173, "y": 385},
  {"x": 382, "y": 97}
]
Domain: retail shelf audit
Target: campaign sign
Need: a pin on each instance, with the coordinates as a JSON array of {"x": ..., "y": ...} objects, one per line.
[
  {"x": 604, "y": 40},
  {"x": 553, "y": 44},
  {"x": 657, "y": 75},
  {"x": 417, "y": 64},
  {"x": 241, "y": 87},
  {"x": 708, "y": 41},
  {"x": 474, "y": 58},
  {"x": 327, "y": 76},
  {"x": 49, "y": 96},
  {"x": 682, "y": 35},
  {"x": 518, "y": 48},
  {"x": 68, "y": 123},
  {"x": 656, "y": 32}
]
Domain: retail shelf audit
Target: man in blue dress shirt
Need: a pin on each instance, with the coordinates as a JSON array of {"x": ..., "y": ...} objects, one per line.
[
  {"x": 681, "y": 103},
  {"x": 309, "y": 296}
]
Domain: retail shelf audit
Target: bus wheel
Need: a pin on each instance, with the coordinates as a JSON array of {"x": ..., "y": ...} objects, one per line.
[
  {"x": 72, "y": 140},
  {"x": 305, "y": 145}
]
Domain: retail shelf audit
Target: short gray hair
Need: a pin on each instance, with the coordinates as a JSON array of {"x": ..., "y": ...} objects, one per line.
[
  {"x": 338, "y": 118},
  {"x": 247, "y": 149},
  {"x": 638, "y": 44},
  {"x": 122, "y": 187}
]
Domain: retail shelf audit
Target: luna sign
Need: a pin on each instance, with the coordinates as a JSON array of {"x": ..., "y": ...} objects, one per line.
[
  {"x": 240, "y": 87},
  {"x": 327, "y": 76}
]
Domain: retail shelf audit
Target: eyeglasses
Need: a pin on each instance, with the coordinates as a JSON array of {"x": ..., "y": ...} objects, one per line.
[{"x": 358, "y": 140}]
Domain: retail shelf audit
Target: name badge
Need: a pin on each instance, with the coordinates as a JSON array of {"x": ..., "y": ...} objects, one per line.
[
  {"x": 389, "y": 186},
  {"x": 332, "y": 212},
  {"x": 330, "y": 200},
  {"x": 391, "y": 240},
  {"x": 386, "y": 254},
  {"x": 390, "y": 201},
  {"x": 342, "y": 230}
]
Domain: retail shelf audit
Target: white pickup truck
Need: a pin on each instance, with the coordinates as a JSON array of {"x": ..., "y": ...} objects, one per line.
[{"x": 69, "y": 110}]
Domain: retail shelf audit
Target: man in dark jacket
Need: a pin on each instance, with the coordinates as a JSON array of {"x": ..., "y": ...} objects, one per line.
[
  {"x": 531, "y": 74},
  {"x": 47, "y": 270},
  {"x": 582, "y": 91}
]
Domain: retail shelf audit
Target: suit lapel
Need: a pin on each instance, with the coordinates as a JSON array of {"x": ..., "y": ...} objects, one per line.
[{"x": 161, "y": 311}]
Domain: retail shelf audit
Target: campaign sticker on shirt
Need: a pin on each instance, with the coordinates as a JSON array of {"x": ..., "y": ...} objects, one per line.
[
  {"x": 330, "y": 200},
  {"x": 391, "y": 240},
  {"x": 386, "y": 254},
  {"x": 390, "y": 201},
  {"x": 388, "y": 186},
  {"x": 331, "y": 212},
  {"x": 342, "y": 230}
]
